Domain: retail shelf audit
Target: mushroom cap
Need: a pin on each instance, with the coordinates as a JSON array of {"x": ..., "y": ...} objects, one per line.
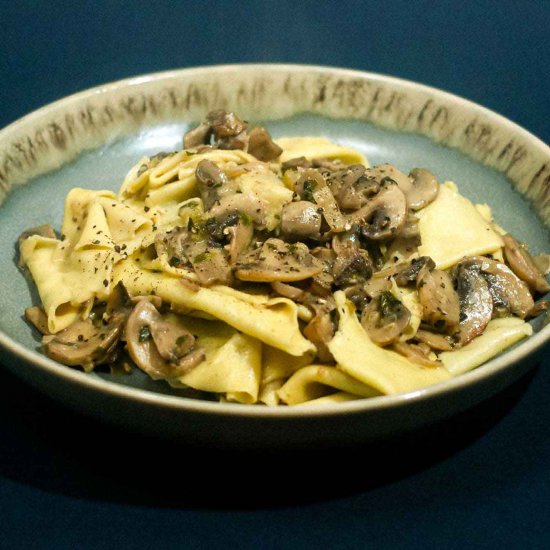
[
  {"x": 384, "y": 215},
  {"x": 439, "y": 300},
  {"x": 385, "y": 319},
  {"x": 476, "y": 302},
  {"x": 161, "y": 348},
  {"x": 276, "y": 260},
  {"x": 423, "y": 189},
  {"x": 301, "y": 220},
  {"x": 523, "y": 266}
]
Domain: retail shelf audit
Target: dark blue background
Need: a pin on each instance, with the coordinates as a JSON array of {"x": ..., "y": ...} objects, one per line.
[{"x": 480, "y": 481}]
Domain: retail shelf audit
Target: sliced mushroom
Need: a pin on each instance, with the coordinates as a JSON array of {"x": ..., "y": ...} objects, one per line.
[
  {"x": 440, "y": 302},
  {"x": 510, "y": 294},
  {"x": 384, "y": 215},
  {"x": 84, "y": 344},
  {"x": 320, "y": 330},
  {"x": 436, "y": 341},
  {"x": 225, "y": 124},
  {"x": 407, "y": 242},
  {"x": 184, "y": 249},
  {"x": 352, "y": 264},
  {"x": 240, "y": 238},
  {"x": 276, "y": 260},
  {"x": 312, "y": 187},
  {"x": 523, "y": 266},
  {"x": 423, "y": 189},
  {"x": 321, "y": 284},
  {"x": 209, "y": 179},
  {"x": 409, "y": 273},
  {"x": 161, "y": 348},
  {"x": 251, "y": 206},
  {"x": 352, "y": 187},
  {"x": 288, "y": 291},
  {"x": 417, "y": 353},
  {"x": 261, "y": 146},
  {"x": 293, "y": 164},
  {"x": 476, "y": 302},
  {"x": 197, "y": 136},
  {"x": 301, "y": 220},
  {"x": 385, "y": 319},
  {"x": 38, "y": 319}
]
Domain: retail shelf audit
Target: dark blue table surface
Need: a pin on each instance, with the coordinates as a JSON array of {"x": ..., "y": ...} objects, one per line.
[{"x": 479, "y": 481}]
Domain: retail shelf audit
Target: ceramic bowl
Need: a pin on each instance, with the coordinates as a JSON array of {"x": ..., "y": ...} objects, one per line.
[{"x": 91, "y": 139}]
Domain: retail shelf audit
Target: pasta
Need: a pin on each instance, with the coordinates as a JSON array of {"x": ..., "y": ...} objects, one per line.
[{"x": 283, "y": 272}]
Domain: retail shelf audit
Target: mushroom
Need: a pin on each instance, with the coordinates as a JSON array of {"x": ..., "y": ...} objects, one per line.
[
  {"x": 509, "y": 293},
  {"x": 440, "y": 302},
  {"x": 225, "y": 124},
  {"x": 321, "y": 284},
  {"x": 209, "y": 179},
  {"x": 261, "y": 146},
  {"x": 295, "y": 163},
  {"x": 417, "y": 353},
  {"x": 407, "y": 242},
  {"x": 352, "y": 264},
  {"x": 312, "y": 187},
  {"x": 352, "y": 187},
  {"x": 409, "y": 273},
  {"x": 185, "y": 249},
  {"x": 84, "y": 344},
  {"x": 240, "y": 237},
  {"x": 197, "y": 136},
  {"x": 423, "y": 189},
  {"x": 276, "y": 260},
  {"x": 436, "y": 341},
  {"x": 476, "y": 302},
  {"x": 320, "y": 330},
  {"x": 251, "y": 206},
  {"x": 288, "y": 291},
  {"x": 38, "y": 319},
  {"x": 384, "y": 215},
  {"x": 161, "y": 348},
  {"x": 385, "y": 319},
  {"x": 301, "y": 220},
  {"x": 522, "y": 264}
]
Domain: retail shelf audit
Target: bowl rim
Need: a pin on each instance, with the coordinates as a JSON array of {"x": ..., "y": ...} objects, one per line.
[{"x": 35, "y": 360}]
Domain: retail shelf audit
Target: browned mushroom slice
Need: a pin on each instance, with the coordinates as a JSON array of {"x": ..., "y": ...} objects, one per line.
[
  {"x": 416, "y": 353},
  {"x": 352, "y": 264},
  {"x": 276, "y": 260},
  {"x": 187, "y": 250},
  {"x": 320, "y": 330},
  {"x": 261, "y": 146},
  {"x": 510, "y": 294},
  {"x": 321, "y": 284},
  {"x": 407, "y": 242},
  {"x": 387, "y": 173},
  {"x": 252, "y": 207},
  {"x": 385, "y": 319},
  {"x": 293, "y": 164},
  {"x": 440, "y": 302},
  {"x": 197, "y": 136},
  {"x": 538, "y": 308},
  {"x": 476, "y": 302},
  {"x": 160, "y": 348},
  {"x": 38, "y": 319},
  {"x": 209, "y": 179},
  {"x": 438, "y": 342},
  {"x": 384, "y": 215},
  {"x": 240, "y": 238},
  {"x": 225, "y": 124},
  {"x": 288, "y": 291},
  {"x": 84, "y": 344},
  {"x": 312, "y": 187},
  {"x": 301, "y": 220},
  {"x": 423, "y": 189},
  {"x": 352, "y": 186},
  {"x": 522, "y": 264},
  {"x": 409, "y": 273}
]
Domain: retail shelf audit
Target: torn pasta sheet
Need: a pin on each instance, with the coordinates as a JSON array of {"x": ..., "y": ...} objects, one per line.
[{"x": 281, "y": 272}]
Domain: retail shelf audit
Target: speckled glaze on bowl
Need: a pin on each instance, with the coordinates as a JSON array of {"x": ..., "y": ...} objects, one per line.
[{"x": 92, "y": 138}]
